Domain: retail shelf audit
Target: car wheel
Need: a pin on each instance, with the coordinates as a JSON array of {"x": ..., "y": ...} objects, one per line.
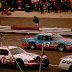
[
  {"x": 37, "y": 59},
  {"x": 70, "y": 69},
  {"x": 20, "y": 63},
  {"x": 61, "y": 48},
  {"x": 32, "y": 46}
]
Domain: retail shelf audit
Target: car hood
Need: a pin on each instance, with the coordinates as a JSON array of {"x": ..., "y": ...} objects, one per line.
[
  {"x": 26, "y": 56},
  {"x": 65, "y": 40}
]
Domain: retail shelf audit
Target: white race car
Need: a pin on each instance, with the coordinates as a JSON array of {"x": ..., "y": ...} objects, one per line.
[
  {"x": 12, "y": 55},
  {"x": 66, "y": 63}
]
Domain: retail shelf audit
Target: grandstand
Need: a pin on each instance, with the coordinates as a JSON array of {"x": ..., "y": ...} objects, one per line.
[{"x": 36, "y": 5}]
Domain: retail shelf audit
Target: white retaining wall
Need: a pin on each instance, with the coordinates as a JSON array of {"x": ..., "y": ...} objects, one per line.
[
  {"x": 47, "y": 30},
  {"x": 5, "y": 27},
  {"x": 55, "y": 29}
]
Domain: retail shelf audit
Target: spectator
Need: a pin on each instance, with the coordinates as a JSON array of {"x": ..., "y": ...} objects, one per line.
[
  {"x": 71, "y": 7},
  {"x": 12, "y": 5},
  {"x": 4, "y": 4},
  {"x": 0, "y": 6},
  {"x": 32, "y": 5},
  {"x": 48, "y": 7},
  {"x": 55, "y": 7},
  {"x": 52, "y": 5},
  {"x": 61, "y": 6},
  {"x": 65, "y": 6},
  {"x": 41, "y": 7},
  {"x": 36, "y": 22},
  {"x": 37, "y": 6}
]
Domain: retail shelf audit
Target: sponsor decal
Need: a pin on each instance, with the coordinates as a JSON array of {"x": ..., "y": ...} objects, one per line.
[
  {"x": 67, "y": 62},
  {"x": 3, "y": 60},
  {"x": 46, "y": 44}
]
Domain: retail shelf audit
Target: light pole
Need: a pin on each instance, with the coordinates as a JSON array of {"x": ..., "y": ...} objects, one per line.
[{"x": 41, "y": 54}]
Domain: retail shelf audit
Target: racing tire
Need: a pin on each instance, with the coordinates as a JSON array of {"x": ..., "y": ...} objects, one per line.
[
  {"x": 61, "y": 48},
  {"x": 37, "y": 59},
  {"x": 32, "y": 46},
  {"x": 20, "y": 63},
  {"x": 70, "y": 69}
]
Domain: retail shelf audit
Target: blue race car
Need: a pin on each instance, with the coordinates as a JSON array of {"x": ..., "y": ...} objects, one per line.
[{"x": 49, "y": 41}]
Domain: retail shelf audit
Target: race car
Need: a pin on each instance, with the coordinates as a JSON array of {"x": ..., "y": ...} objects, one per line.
[
  {"x": 66, "y": 63},
  {"x": 14, "y": 56},
  {"x": 50, "y": 41}
]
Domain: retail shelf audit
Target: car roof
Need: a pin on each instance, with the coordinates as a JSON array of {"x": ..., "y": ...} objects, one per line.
[{"x": 8, "y": 47}]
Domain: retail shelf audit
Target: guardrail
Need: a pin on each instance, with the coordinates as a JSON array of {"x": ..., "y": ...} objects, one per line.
[
  {"x": 55, "y": 29},
  {"x": 63, "y": 31}
]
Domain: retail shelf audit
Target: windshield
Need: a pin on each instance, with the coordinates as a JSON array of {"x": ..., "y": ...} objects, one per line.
[
  {"x": 57, "y": 36},
  {"x": 17, "y": 51}
]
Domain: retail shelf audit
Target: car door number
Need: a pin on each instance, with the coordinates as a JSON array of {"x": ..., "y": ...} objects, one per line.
[
  {"x": 3, "y": 60},
  {"x": 46, "y": 44}
]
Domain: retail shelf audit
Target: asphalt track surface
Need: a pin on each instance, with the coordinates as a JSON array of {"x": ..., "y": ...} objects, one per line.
[
  {"x": 54, "y": 56},
  {"x": 43, "y": 22}
]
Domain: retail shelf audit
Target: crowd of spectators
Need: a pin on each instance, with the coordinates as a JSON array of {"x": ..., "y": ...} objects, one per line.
[{"x": 37, "y": 5}]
